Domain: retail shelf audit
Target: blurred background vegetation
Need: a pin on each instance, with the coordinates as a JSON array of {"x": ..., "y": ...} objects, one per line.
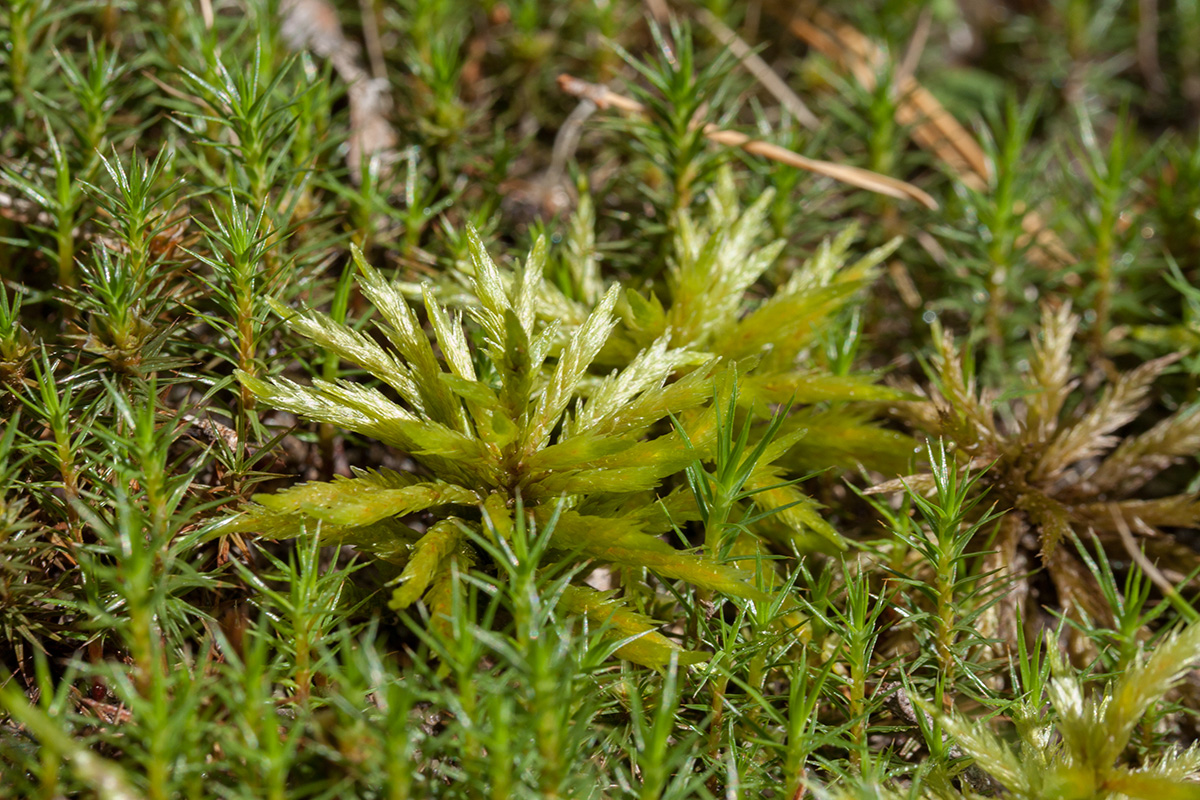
[{"x": 830, "y": 372}]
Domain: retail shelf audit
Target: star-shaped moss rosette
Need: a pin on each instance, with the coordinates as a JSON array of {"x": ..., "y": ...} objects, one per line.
[
  {"x": 720, "y": 297},
  {"x": 498, "y": 421},
  {"x": 1060, "y": 469}
]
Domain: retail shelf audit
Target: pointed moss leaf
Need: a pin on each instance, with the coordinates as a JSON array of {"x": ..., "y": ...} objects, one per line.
[
  {"x": 433, "y": 548},
  {"x": 472, "y": 390},
  {"x": 385, "y": 478},
  {"x": 690, "y": 391},
  {"x": 677, "y": 508},
  {"x": 1051, "y": 517},
  {"x": 846, "y": 440},
  {"x": 545, "y": 342},
  {"x": 992, "y": 754},
  {"x": 646, "y": 373},
  {"x": 432, "y": 439},
  {"x": 352, "y": 346},
  {"x": 367, "y": 411},
  {"x": 440, "y": 597},
  {"x": 450, "y": 336},
  {"x": 650, "y": 648},
  {"x": 1050, "y": 374},
  {"x": 1143, "y": 784},
  {"x": 408, "y": 337},
  {"x": 489, "y": 288},
  {"x": 517, "y": 346},
  {"x": 1141, "y": 686},
  {"x": 387, "y": 539},
  {"x": 497, "y": 430},
  {"x": 617, "y": 541},
  {"x": 667, "y": 455},
  {"x": 581, "y": 256},
  {"x": 863, "y": 269},
  {"x": 712, "y": 271},
  {"x": 498, "y": 517},
  {"x": 575, "y": 452},
  {"x": 259, "y": 519},
  {"x": 621, "y": 479},
  {"x": 358, "y": 502},
  {"x": 588, "y": 457},
  {"x": 349, "y": 406},
  {"x": 491, "y": 423},
  {"x": 1174, "y": 511},
  {"x": 1139, "y": 458},
  {"x": 822, "y": 268},
  {"x": 526, "y": 302},
  {"x": 811, "y": 387},
  {"x": 770, "y": 449},
  {"x": 644, "y": 315},
  {"x": 784, "y": 324},
  {"x": 512, "y": 361},
  {"x": 572, "y": 364},
  {"x": 1181, "y": 766}
]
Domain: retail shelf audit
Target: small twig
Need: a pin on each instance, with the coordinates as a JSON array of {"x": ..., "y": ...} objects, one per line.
[
  {"x": 916, "y": 47},
  {"x": 567, "y": 139},
  {"x": 178, "y": 94},
  {"x": 933, "y": 127},
  {"x": 206, "y": 14},
  {"x": 604, "y": 97},
  {"x": 370, "y": 25},
  {"x": 1147, "y": 46},
  {"x": 761, "y": 71},
  {"x": 599, "y": 94},
  {"x": 854, "y": 176},
  {"x": 314, "y": 25},
  {"x": 1139, "y": 557},
  {"x": 659, "y": 10},
  {"x": 904, "y": 284}
]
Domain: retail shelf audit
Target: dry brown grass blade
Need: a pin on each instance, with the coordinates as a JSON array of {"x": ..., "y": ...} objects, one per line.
[
  {"x": 854, "y": 176},
  {"x": 761, "y": 71},
  {"x": 206, "y": 14},
  {"x": 933, "y": 127},
  {"x": 916, "y": 47},
  {"x": 922, "y": 483},
  {"x": 604, "y": 97},
  {"x": 1139, "y": 556}
]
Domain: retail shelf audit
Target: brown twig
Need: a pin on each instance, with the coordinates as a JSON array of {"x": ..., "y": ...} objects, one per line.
[
  {"x": 761, "y": 71},
  {"x": 206, "y": 14},
  {"x": 1139, "y": 557},
  {"x": 916, "y": 48},
  {"x": 314, "y": 25},
  {"x": 605, "y": 98},
  {"x": 933, "y": 127},
  {"x": 1147, "y": 46},
  {"x": 370, "y": 25}
]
